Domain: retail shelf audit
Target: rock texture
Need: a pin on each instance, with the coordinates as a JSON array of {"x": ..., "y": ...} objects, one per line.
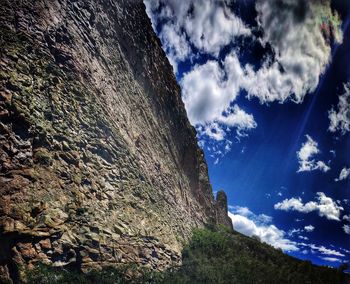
[
  {"x": 221, "y": 210},
  {"x": 98, "y": 162}
]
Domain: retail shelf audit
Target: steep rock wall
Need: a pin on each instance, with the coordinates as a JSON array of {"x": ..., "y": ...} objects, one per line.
[{"x": 98, "y": 162}]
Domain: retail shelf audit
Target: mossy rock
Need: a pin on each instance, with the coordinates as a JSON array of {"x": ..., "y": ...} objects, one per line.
[{"x": 43, "y": 156}]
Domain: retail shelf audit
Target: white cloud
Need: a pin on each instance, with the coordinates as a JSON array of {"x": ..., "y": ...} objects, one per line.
[
  {"x": 344, "y": 174},
  {"x": 212, "y": 130},
  {"x": 331, "y": 259},
  {"x": 236, "y": 117},
  {"x": 324, "y": 205},
  {"x": 216, "y": 146},
  {"x": 265, "y": 219},
  {"x": 208, "y": 24},
  {"x": 247, "y": 223},
  {"x": 301, "y": 47},
  {"x": 212, "y": 26},
  {"x": 175, "y": 44},
  {"x": 208, "y": 92},
  {"x": 152, "y": 5},
  {"x": 298, "y": 33},
  {"x": 345, "y": 250},
  {"x": 301, "y": 54},
  {"x": 292, "y": 232},
  {"x": 340, "y": 119},
  {"x": 305, "y": 157},
  {"x": 346, "y": 218},
  {"x": 309, "y": 228},
  {"x": 346, "y": 229},
  {"x": 323, "y": 250},
  {"x": 244, "y": 211},
  {"x": 303, "y": 238},
  {"x": 326, "y": 251}
]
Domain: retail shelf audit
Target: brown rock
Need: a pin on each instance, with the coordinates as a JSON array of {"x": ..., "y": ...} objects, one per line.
[
  {"x": 27, "y": 250},
  {"x": 45, "y": 244}
]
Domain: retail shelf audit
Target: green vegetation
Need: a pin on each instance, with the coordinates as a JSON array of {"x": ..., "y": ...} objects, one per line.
[
  {"x": 213, "y": 255},
  {"x": 43, "y": 274},
  {"x": 217, "y": 255}
]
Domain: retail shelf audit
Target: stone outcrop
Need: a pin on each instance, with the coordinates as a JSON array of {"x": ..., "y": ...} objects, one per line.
[
  {"x": 221, "y": 210},
  {"x": 98, "y": 162}
]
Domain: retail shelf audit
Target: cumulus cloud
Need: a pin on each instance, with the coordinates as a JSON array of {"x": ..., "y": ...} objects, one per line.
[
  {"x": 209, "y": 25},
  {"x": 305, "y": 157},
  {"x": 344, "y": 174},
  {"x": 340, "y": 118},
  {"x": 299, "y": 33},
  {"x": 300, "y": 44},
  {"x": 346, "y": 218},
  {"x": 325, "y": 206},
  {"x": 346, "y": 229},
  {"x": 247, "y": 223},
  {"x": 309, "y": 228},
  {"x": 209, "y": 91}
]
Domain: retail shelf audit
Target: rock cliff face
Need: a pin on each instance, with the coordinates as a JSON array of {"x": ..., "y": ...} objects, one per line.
[{"x": 98, "y": 162}]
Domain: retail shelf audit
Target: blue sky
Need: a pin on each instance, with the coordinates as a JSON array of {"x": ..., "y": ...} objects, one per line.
[{"x": 266, "y": 83}]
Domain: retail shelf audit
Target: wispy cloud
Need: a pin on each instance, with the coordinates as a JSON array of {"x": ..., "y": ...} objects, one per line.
[
  {"x": 339, "y": 120},
  {"x": 331, "y": 259},
  {"x": 346, "y": 229},
  {"x": 323, "y": 250},
  {"x": 344, "y": 174},
  {"x": 306, "y": 157}
]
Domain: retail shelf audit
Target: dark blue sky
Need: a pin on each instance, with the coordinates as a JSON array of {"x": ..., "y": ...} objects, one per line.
[
  {"x": 269, "y": 162},
  {"x": 260, "y": 169}
]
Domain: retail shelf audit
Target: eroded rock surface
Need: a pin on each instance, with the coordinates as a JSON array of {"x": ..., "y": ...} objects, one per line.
[{"x": 98, "y": 162}]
